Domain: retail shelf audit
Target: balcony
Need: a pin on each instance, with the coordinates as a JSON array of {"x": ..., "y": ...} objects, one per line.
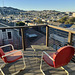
[{"x": 50, "y": 38}]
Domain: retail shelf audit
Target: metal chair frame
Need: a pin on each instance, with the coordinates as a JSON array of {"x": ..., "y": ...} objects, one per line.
[
  {"x": 52, "y": 60},
  {"x": 10, "y": 54}
]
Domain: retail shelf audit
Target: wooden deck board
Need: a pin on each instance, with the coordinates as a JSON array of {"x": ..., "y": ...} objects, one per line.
[{"x": 33, "y": 68}]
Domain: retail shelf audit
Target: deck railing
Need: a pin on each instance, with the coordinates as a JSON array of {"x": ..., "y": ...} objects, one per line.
[
  {"x": 70, "y": 33},
  {"x": 22, "y": 32}
]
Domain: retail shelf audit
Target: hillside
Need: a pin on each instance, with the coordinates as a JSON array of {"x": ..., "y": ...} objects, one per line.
[{"x": 10, "y": 10}]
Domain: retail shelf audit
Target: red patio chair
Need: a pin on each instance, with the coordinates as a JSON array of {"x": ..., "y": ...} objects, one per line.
[
  {"x": 11, "y": 56},
  {"x": 58, "y": 59}
]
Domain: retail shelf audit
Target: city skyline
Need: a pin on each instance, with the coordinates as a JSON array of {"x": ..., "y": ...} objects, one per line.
[{"x": 58, "y": 5}]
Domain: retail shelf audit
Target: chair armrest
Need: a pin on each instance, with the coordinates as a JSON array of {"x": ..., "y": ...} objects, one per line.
[
  {"x": 11, "y": 53},
  {"x": 48, "y": 56},
  {"x": 7, "y": 45}
]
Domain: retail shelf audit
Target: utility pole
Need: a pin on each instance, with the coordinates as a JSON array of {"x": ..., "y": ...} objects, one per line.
[
  {"x": 3, "y": 8},
  {"x": 3, "y": 3}
]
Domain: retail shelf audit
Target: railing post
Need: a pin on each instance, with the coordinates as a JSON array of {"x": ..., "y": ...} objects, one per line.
[
  {"x": 23, "y": 39},
  {"x": 47, "y": 36},
  {"x": 70, "y": 36}
]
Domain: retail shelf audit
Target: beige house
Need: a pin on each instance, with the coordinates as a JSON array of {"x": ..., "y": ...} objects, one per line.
[{"x": 73, "y": 15}]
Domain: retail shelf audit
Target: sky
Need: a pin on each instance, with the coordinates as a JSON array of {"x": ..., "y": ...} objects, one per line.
[{"x": 58, "y": 5}]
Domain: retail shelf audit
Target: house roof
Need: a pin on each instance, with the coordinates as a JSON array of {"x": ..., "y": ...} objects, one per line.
[
  {"x": 65, "y": 25},
  {"x": 3, "y": 25},
  {"x": 73, "y": 26},
  {"x": 35, "y": 41},
  {"x": 55, "y": 23},
  {"x": 68, "y": 25},
  {"x": 6, "y": 24}
]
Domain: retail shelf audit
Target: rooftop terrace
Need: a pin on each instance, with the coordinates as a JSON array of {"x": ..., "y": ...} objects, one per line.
[
  {"x": 33, "y": 67},
  {"x": 50, "y": 45}
]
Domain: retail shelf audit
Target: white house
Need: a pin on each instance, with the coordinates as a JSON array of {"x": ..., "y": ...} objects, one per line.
[{"x": 10, "y": 36}]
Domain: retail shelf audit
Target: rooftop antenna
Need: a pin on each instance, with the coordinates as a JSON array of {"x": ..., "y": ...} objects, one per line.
[
  {"x": 3, "y": 9},
  {"x": 3, "y": 3}
]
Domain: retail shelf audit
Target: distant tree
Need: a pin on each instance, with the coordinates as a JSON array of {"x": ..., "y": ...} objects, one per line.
[
  {"x": 66, "y": 22},
  {"x": 39, "y": 21},
  {"x": 70, "y": 20},
  {"x": 55, "y": 21},
  {"x": 34, "y": 21},
  {"x": 63, "y": 19},
  {"x": 20, "y": 23}
]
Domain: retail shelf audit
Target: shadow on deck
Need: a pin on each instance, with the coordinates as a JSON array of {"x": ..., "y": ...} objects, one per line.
[{"x": 33, "y": 67}]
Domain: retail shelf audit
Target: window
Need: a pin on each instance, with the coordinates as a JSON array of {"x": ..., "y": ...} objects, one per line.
[
  {"x": 9, "y": 35},
  {"x": 3, "y": 30}
]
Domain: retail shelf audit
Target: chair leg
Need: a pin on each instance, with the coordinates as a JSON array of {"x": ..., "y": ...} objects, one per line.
[
  {"x": 44, "y": 73},
  {"x": 17, "y": 71},
  {"x": 4, "y": 73},
  {"x": 22, "y": 68},
  {"x": 2, "y": 70},
  {"x": 24, "y": 62},
  {"x": 65, "y": 70},
  {"x": 41, "y": 65}
]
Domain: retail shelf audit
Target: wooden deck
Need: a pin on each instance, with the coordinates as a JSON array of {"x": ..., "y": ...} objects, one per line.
[{"x": 33, "y": 67}]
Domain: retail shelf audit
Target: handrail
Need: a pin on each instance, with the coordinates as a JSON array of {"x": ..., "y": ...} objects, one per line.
[
  {"x": 16, "y": 27},
  {"x": 70, "y": 33},
  {"x": 22, "y": 31},
  {"x": 63, "y": 29}
]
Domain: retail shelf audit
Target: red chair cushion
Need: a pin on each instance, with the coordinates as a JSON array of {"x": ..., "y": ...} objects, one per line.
[
  {"x": 1, "y": 54},
  {"x": 63, "y": 56},
  {"x": 13, "y": 57},
  {"x": 48, "y": 60}
]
